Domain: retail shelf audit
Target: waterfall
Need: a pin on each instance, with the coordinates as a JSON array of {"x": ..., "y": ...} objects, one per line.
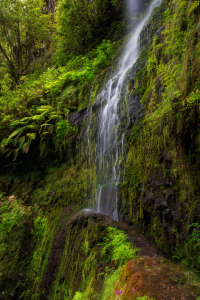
[{"x": 110, "y": 137}]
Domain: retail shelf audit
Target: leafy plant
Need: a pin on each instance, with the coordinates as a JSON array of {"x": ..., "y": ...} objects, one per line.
[
  {"x": 192, "y": 5},
  {"x": 192, "y": 247},
  {"x": 82, "y": 24},
  {"x": 169, "y": 74},
  {"x": 27, "y": 129},
  {"x": 20, "y": 36},
  {"x": 40, "y": 227},
  {"x": 14, "y": 218},
  {"x": 116, "y": 247},
  {"x": 78, "y": 296}
]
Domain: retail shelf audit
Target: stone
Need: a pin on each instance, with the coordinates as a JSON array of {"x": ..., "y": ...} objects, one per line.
[
  {"x": 160, "y": 205},
  {"x": 136, "y": 109},
  {"x": 96, "y": 105},
  {"x": 158, "y": 32},
  {"x": 75, "y": 118}
]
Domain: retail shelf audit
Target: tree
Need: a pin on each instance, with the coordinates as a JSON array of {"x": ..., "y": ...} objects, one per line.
[
  {"x": 23, "y": 30},
  {"x": 82, "y": 24}
]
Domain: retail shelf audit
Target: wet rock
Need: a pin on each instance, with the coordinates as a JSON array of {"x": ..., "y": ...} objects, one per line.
[
  {"x": 159, "y": 31},
  {"x": 96, "y": 105},
  {"x": 165, "y": 225},
  {"x": 115, "y": 83},
  {"x": 198, "y": 209},
  {"x": 170, "y": 197},
  {"x": 136, "y": 109},
  {"x": 152, "y": 276},
  {"x": 160, "y": 205},
  {"x": 167, "y": 214},
  {"x": 159, "y": 89},
  {"x": 186, "y": 218},
  {"x": 147, "y": 200},
  {"x": 75, "y": 118}
]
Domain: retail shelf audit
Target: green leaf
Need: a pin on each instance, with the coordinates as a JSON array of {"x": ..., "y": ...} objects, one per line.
[{"x": 17, "y": 132}]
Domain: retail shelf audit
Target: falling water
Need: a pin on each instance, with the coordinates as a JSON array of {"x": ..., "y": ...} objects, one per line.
[{"x": 110, "y": 137}]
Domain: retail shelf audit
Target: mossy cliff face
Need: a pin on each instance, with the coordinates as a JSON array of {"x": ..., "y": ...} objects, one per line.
[
  {"x": 159, "y": 178},
  {"x": 64, "y": 254},
  {"x": 160, "y": 185}
]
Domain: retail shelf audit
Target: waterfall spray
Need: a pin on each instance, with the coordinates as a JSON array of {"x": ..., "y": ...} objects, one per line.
[{"x": 110, "y": 138}]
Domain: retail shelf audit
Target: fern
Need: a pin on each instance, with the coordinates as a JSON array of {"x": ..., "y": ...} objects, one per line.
[
  {"x": 121, "y": 248},
  {"x": 21, "y": 141},
  {"x": 17, "y": 132},
  {"x": 31, "y": 136},
  {"x": 169, "y": 74},
  {"x": 193, "y": 6}
]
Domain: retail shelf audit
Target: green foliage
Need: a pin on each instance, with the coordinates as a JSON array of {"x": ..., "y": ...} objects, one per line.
[
  {"x": 81, "y": 25},
  {"x": 40, "y": 227},
  {"x": 192, "y": 5},
  {"x": 192, "y": 247},
  {"x": 82, "y": 68},
  {"x": 42, "y": 123},
  {"x": 78, "y": 296},
  {"x": 191, "y": 101},
  {"x": 110, "y": 282},
  {"x": 23, "y": 29},
  {"x": 27, "y": 118},
  {"x": 43, "y": 233},
  {"x": 116, "y": 247},
  {"x": 62, "y": 129},
  {"x": 10, "y": 218},
  {"x": 14, "y": 218},
  {"x": 169, "y": 74}
]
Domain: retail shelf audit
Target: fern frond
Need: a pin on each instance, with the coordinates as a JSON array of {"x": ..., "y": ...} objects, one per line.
[
  {"x": 9, "y": 153},
  {"x": 21, "y": 142},
  {"x": 33, "y": 127},
  {"x": 194, "y": 5},
  {"x": 15, "y": 141},
  {"x": 31, "y": 136},
  {"x": 54, "y": 117},
  {"x": 44, "y": 125},
  {"x": 37, "y": 118},
  {"x": 15, "y": 155},
  {"x": 183, "y": 3},
  {"x": 44, "y": 109},
  {"x": 26, "y": 119},
  {"x": 17, "y": 132}
]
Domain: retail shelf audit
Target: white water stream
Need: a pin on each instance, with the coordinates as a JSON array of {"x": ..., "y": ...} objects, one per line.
[{"x": 110, "y": 138}]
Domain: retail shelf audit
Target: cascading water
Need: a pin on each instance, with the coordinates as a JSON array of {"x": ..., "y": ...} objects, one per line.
[{"x": 110, "y": 138}]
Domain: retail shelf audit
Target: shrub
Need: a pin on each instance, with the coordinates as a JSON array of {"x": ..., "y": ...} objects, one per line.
[{"x": 116, "y": 247}]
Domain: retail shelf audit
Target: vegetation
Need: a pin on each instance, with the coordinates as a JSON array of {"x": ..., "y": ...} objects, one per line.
[
  {"x": 116, "y": 247},
  {"x": 82, "y": 25},
  {"x": 52, "y": 67},
  {"x": 23, "y": 31}
]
